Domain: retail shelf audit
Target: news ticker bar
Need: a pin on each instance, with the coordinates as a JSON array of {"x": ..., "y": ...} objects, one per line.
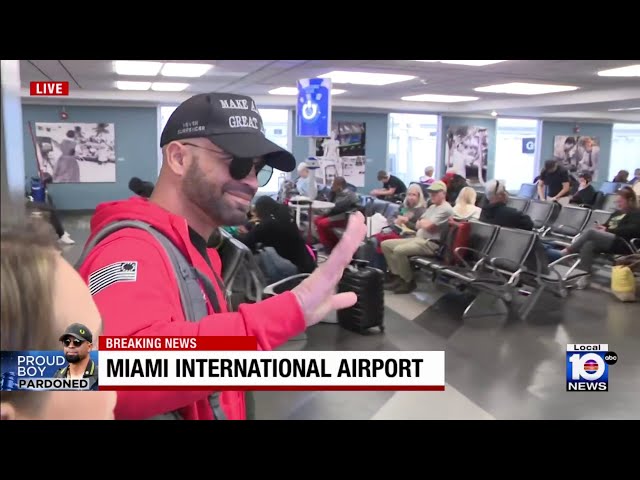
[{"x": 279, "y": 370}]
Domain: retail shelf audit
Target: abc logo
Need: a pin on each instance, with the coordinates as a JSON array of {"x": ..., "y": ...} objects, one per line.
[
  {"x": 591, "y": 366},
  {"x": 611, "y": 358}
]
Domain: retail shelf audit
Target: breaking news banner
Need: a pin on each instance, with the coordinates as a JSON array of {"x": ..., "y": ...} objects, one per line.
[
  {"x": 233, "y": 363},
  {"x": 45, "y": 370}
]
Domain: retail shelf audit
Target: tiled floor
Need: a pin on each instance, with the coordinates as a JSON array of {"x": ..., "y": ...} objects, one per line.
[{"x": 511, "y": 370}]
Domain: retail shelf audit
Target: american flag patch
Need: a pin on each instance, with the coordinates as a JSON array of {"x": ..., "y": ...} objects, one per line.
[{"x": 114, "y": 273}]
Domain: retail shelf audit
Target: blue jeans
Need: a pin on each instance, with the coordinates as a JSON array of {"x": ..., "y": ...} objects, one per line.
[
  {"x": 377, "y": 260},
  {"x": 552, "y": 253}
]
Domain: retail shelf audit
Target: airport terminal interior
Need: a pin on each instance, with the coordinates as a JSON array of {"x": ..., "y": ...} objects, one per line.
[{"x": 474, "y": 120}]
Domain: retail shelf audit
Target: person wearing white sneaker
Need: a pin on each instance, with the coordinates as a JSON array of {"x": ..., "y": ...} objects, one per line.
[{"x": 66, "y": 239}]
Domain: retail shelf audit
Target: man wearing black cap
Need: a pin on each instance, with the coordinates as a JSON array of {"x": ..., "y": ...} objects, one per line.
[
  {"x": 215, "y": 156},
  {"x": 77, "y": 343}
]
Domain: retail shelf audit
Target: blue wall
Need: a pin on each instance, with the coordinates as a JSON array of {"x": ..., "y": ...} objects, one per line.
[
  {"x": 488, "y": 123},
  {"x": 603, "y": 131},
  {"x": 136, "y": 143},
  {"x": 375, "y": 147}
]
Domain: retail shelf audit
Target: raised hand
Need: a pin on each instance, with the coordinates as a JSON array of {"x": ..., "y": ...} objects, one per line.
[{"x": 316, "y": 294}]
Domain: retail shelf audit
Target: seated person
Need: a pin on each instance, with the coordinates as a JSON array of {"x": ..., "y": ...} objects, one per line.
[
  {"x": 405, "y": 220},
  {"x": 455, "y": 183},
  {"x": 636, "y": 177},
  {"x": 391, "y": 186},
  {"x": 497, "y": 212},
  {"x": 42, "y": 295},
  {"x": 344, "y": 200},
  {"x": 621, "y": 177},
  {"x": 586, "y": 194},
  {"x": 465, "y": 207},
  {"x": 624, "y": 224},
  {"x": 306, "y": 183},
  {"x": 302, "y": 183},
  {"x": 275, "y": 227},
  {"x": 397, "y": 252},
  {"x": 428, "y": 176}
]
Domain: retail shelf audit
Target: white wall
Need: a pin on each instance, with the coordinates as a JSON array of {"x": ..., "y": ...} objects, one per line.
[{"x": 13, "y": 181}]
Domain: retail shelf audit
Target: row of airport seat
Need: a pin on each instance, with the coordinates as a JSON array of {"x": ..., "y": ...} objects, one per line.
[
  {"x": 514, "y": 254},
  {"x": 605, "y": 195},
  {"x": 504, "y": 268}
]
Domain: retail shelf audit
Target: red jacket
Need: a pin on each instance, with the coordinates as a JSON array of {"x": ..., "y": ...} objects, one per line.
[{"x": 150, "y": 305}]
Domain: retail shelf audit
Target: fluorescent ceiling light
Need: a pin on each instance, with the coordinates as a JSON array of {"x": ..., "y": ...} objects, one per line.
[
  {"x": 517, "y": 88},
  {"x": 366, "y": 78},
  {"x": 191, "y": 70},
  {"x": 294, "y": 91},
  {"x": 168, "y": 87},
  {"x": 427, "y": 97},
  {"x": 133, "y": 85},
  {"x": 630, "y": 71},
  {"x": 125, "y": 67},
  {"x": 623, "y": 109},
  {"x": 470, "y": 63}
]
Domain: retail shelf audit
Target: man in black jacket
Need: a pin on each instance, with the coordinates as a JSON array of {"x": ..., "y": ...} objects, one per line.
[
  {"x": 554, "y": 184},
  {"x": 392, "y": 186},
  {"x": 586, "y": 194},
  {"x": 497, "y": 212}
]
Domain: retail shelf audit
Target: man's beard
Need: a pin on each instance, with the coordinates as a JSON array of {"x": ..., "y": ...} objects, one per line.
[
  {"x": 73, "y": 357},
  {"x": 210, "y": 197}
]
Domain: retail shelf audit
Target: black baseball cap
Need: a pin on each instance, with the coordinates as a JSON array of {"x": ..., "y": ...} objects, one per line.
[
  {"x": 78, "y": 331},
  {"x": 230, "y": 121}
]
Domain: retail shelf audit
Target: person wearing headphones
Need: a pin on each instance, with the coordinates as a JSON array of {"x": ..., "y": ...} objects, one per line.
[{"x": 497, "y": 212}]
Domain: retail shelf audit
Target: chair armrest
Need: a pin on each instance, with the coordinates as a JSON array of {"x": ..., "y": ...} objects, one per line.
[
  {"x": 562, "y": 259},
  {"x": 514, "y": 275},
  {"x": 482, "y": 256},
  {"x": 572, "y": 256}
]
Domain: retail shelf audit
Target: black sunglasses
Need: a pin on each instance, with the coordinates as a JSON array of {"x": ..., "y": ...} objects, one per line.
[
  {"x": 241, "y": 167},
  {"x": 76, "y": 342}
]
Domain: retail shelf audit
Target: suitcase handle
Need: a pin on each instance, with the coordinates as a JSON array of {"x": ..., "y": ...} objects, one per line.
[{"x": 359, "y": 262}]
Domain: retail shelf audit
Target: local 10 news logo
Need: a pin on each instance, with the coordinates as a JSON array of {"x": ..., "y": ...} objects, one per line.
[{"x": 588, "y": 367}]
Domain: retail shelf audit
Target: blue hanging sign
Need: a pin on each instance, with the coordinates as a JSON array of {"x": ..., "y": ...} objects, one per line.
[
  {"x": 529, "y": 145},
  {"x": 314, "y": 107}
]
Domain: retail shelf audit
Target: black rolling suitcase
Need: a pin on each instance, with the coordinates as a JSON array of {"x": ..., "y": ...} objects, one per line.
[{"x": 367, "y": 283}]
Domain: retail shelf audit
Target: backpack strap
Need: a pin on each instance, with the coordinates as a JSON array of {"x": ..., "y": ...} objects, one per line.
[{"x": 192, "y": 300}]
